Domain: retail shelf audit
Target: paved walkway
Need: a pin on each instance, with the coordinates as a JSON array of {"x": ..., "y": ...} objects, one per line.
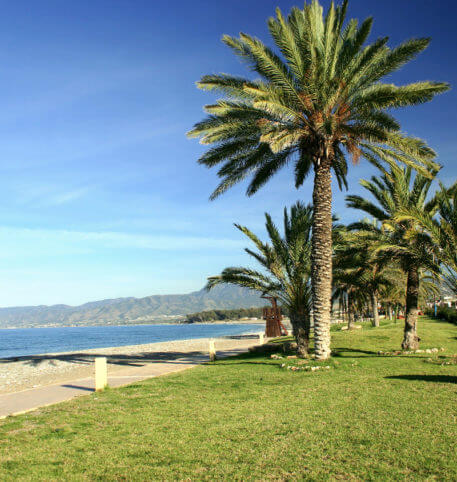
[{"x": 28, "y": 400}]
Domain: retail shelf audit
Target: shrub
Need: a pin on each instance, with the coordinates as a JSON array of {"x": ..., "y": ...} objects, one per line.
[{"x": 444, "y": 313}]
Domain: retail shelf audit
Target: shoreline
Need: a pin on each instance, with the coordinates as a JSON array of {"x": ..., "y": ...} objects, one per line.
[
  {"x": 32, "y": 371},
  {"x": 218, "y": 322}
]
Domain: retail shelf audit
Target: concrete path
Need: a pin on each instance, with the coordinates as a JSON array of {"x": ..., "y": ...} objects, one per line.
[{"x": 28, "y": 400}]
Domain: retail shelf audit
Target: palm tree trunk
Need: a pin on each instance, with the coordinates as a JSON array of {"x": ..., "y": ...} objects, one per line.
[
  {"x": 374, "y": 307},
  {"x": 321, "y": 257},
  {"x": 351, "y": 315},
  {"x": 345, "y": 308},
  {"x": 410, "y": 338},
  {"x": 301, "y": 328}
]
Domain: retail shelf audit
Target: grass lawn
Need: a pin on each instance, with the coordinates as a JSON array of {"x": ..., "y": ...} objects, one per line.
[{"x": 369, "y": 417}]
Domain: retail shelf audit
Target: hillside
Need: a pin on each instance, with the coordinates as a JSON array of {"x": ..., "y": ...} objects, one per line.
[{"x": 151, "y": 309}]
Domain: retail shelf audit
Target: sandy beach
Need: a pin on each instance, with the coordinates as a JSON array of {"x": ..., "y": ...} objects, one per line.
[{"x": 32, "y": 371}]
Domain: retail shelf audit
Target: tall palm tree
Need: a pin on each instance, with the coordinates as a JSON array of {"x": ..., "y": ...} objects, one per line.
[
  {"x": 442, "y": 229},
  {"x": 286, "y": 268},
  {"x": 405, "y": 241},
  {"x": 318, "y": 100}
]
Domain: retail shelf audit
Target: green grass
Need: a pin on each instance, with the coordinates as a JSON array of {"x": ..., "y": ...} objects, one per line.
[{"x": 369, "y": 417}]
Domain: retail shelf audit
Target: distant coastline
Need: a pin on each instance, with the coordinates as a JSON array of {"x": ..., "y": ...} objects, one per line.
[
  {"x": 92, "y": 324},
  {"x": 136, "y": 323}
]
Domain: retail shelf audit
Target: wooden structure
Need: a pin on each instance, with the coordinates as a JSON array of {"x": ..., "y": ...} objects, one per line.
[{"x": 273, "y": 318}]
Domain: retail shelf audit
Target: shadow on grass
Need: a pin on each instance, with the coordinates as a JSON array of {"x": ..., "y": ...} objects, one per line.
[
  {"x": 248, "y": 358},
  {"x": 247, "y": 362},
  {"x": 426, "y": 378},
  {"x": 356, "y": 353},
  {"x": 339, "y": 352}
]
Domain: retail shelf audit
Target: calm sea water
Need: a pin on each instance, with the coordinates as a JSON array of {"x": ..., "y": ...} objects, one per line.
[{"x": 35, "y": 341}]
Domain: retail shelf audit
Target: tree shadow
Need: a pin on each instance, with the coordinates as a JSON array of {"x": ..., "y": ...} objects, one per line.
[
  {"x": 246, "y": 362},
  {"x": 339, "y": 352},
  {"x": 426, "y": 378},
  {"x": 134, "y": 359}
]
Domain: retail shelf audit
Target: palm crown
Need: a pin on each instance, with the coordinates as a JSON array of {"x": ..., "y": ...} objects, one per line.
[
  {"x": 397, "y": 192},
  {"x": 322, "y": 99}
]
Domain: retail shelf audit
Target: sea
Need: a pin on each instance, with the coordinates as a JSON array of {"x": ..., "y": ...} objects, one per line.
[{"x": 37, "y": 341}]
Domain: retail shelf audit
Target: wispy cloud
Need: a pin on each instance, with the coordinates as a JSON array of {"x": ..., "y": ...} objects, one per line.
[
  {"x": 38, "y": 241},
  {"x": 48, "y": 195},
  {"x": 66, "y": 197}
]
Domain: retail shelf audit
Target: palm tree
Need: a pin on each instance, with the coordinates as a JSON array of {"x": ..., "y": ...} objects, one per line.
[
  {"x": 393, "y": 296},
  {"x": 317, "y": 101},
  {"x": 348, "y": 291},
  {"x": 404, "y": 241},
  {"x": 442, "y": 229},
  {"x": 357, "y": 263},
  {"x": 286, "y": 268}
]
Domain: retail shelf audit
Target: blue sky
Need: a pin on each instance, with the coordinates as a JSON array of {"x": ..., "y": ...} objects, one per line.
[{"x": 100, "y": 192}]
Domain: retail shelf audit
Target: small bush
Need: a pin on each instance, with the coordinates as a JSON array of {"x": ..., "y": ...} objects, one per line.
[{"x": 444, "y": 313}]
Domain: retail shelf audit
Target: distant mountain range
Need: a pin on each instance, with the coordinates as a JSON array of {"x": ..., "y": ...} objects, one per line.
[{"x": 119, "y": 311}]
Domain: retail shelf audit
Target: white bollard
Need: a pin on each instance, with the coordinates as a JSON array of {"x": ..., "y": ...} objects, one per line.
[
  {"x": 212, "y": 351},
  {"x": 101, "y": 374},
  {"x": 261, "y": 338}
]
